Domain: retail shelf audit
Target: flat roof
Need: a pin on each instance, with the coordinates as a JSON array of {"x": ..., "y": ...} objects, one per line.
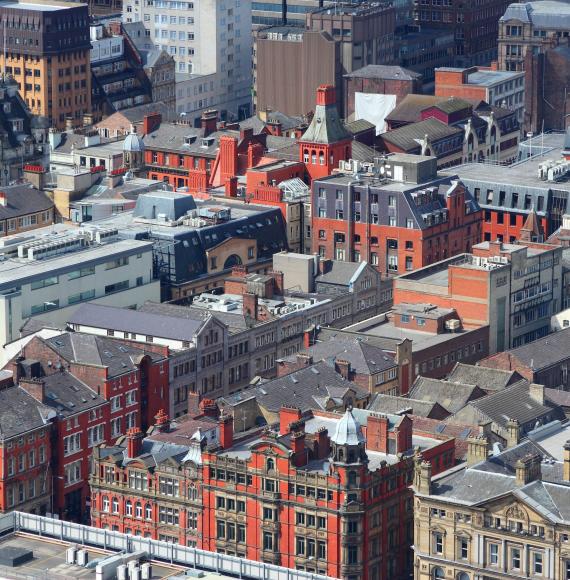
[
  {"x": 18, "y": 270},
  {"x": 49, "y": 560},
  {"x": 489, "y": 78},
  {"x": 22, "y": 5},
  {"x": 552, "y": 438}
]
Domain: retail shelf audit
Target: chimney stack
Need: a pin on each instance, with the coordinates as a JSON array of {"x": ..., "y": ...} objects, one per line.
[
  {"x": 209, "y": 408},
  {"x": 528, "y": 469},
  {"x": 536, "y": 393},
  {"x": 342, "y": 367},
  {"x": 304, "y": 360},
  {"x": 209, "y": 122},
  {"x": 134, "y": 442},
  {"x": 422, "y": 480},
  {"x": 162, "y": 421},
  {"x": 477, "y": 450},
  {"x": 377, "y": 432},
  {"x": 288, "y": 416},
  {"x": 34, "y": 387},
  {"x": 298, "y": 445},
  {"x": 513, "y": 432},
  {"x": 226, "y": 431},
  {"x": 250, "y": 305}
]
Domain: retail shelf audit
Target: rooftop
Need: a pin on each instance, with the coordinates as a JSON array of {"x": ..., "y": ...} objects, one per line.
[
  {"x": 49, "y": 6},
  {"x": 545, "y": 14},
  {"x": 380, "y": 71},
  {"x": 489, "y": 78}
]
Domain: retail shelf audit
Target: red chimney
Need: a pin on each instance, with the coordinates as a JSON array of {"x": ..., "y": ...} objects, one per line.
[
  {"x": 151, "y": 122},
  {"x": 162, "y": 422},
  {"x": 134, "y": 442},
  {"x": 209, "y": 121},
  {"x": 326, "y": 95},
  {"x": 287, "y": 416},
  {"x": 377, "y": 433},
  {"x": 230, "y": 187},
  {"x": 298, "y": 448},
  {"x": 228, "y": 157},
  {"x": 278, "y": 282},
  {"x": 304, "y": 360},
  {"x": 209, "y": 408},
  {"x": 250, "y": 305},
  {"x": 34, "y": 387},
  {"x": 323, "y": 443},
  {"x": 226, "y": 431}
]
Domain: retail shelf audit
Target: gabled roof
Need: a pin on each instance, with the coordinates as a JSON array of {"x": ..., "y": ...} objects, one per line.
[
  {"x": 398, "y": 405},
  {"x": 386, "y": 72},
  {"x": 20, "y": 412},
  {"x": 451, "y": 105},
  {"x": 308, "y": 388},
  {"x": 67, "y": 395},
  {"x": 515, "y": 402},
  {"x": 90, "y": 349},
  {"x": 485, "y": 378},
  {"x": 341, "y": 273},
  {"x": 135, "y": 321},
  {"x": 359, "y": 126},
  {"x": 450, "y": 395},
  {"x": 364, "y": 358},
  {"x": 410, "y": 108},
  {"x": 407, "y": 138},
  {"x": 23, "y": 200}
]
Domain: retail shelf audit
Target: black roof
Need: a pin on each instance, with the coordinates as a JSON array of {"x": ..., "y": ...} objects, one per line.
[
  {"x": 20, "y": 412},
  {"x": 23, "y": 200}
]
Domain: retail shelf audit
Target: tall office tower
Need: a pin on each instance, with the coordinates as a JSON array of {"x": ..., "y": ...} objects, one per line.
[
  {"x": 205, "y": 37},
  {"x": 46, "y": 49}
]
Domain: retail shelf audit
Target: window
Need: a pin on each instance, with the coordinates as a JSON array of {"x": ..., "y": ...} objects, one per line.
[
  {"x": 494, "y": 554},
  {"x": 49, "y": 281},
  {"x": 537, "y": 563},
  {"x": 71, "y": 444},
  {"x": 96, "y": 435},
  {"x": 105, "y": 503},
  {"x": 72, "y": 472},
  {"x": 268, "y": 541},
  {"x": 168, "y": 515},
  {"x": 515, "y": 558},
  {"x": 81, "y": 273},
  {"x": 463, "y": 549},
  {"x": 437, "y": 573},
  {"x": 168, "y": 486},
  {"x": 438, "y": 543},
  {"x": 115, "y": 504}
]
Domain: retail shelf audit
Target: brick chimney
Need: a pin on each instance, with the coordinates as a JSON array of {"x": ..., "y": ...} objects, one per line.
[
  {"x": 250, "y": 305},
  {"x": 226, "y": 431},
  {"x": 288, "y": 416},
  {"x": 304, "y": 360},
  {"x": 342, "y": 367},
  {"x": 162, "y": 422},
  {"x": 230, "y": 187},
  {"x": 323, "y": 443},
  {"x": 34, "y": 387},
  {"x": 151, "y": 122},
  {"x": 275, "y": 127},
  {"x": 228, "y": 157},
  {"x": 134, "y": 442},
  {"x": 477, "y": 449},
  {"x": 254, "y": 154},
  {"x": 377, "y": 432},
  {"x": 298, "y": 447},
  {"x": 528, "y": 469},
  {"x": 326, "y": 95},
  {"x": 209, "y": 121},
  {"x": 278, "y": 282},
  {"x": 209, "y": 408}
]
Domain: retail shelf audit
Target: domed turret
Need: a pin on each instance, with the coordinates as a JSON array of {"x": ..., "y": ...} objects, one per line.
[
  {"x": 348, "y": 442},
  {"x": 133, "y": 150}
]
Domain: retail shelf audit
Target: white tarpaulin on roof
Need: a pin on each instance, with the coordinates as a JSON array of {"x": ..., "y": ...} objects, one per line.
[{"x": 374, "y": 108}]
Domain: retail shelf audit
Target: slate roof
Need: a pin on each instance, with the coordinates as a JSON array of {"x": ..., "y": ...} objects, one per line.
[
  {"x": 287, "y": 122},
  {"x": 451, "y": 105},
  {"x": 135, "y": 321},
  {"x": 308, "y": 388},
  {"x": 515, "y": 402},
  {"x": 20, "y": 412},
  {"x": 359, "y": 126},
  {"x": 558, "y": 397},
  {"x": 362, "y": 152},
  {"x": 326, "y": 127},
  {"x": 397, "y": 405},
  {"x": 67, "y": 395},
  {"x": 101, "y": 351},
  {"x": 450, "y": 395},
  {"x": 136, "y": 114},
  {"x": 544, "y": 14},
  {"x": 410, "y": 108},
  {"x": 340, "y": 273},
  {"x": 172, "y": 137},
  {"x": 406, "y": 138},
  {"x": 23, "y": 200},
  {"x": 545, "y": 352},
  {"x": 487, "y": 379},
  {"x": 363, "y": 358},
  {"x": 387, "y": 72}
]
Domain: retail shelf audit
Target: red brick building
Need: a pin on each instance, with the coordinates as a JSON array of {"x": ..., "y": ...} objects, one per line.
[
  {"x": 267, "y": 496},
  {"x": 398, "y": 215},
  {"x": 94, "y": 389}
]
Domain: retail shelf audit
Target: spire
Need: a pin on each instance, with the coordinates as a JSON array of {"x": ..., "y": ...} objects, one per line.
[
  {"x": 348, "y": 430},
  {"x": 532, "y": 229}
]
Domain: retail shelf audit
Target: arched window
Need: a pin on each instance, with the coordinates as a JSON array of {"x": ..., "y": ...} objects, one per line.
[
  {"x": 270, "y": 465},
  {"x": 148, "y": 511},
  {"x": 129, "y": 508},
  {"x": 321, "y": 158},
  {"x": 105, "y": 503},
  {"x": 437, "y": 573},
  {"x": 314, "y": 157},
  {"x": 463, "y": 576},
  {"x": 138, "y": 509},
  {"x": 115, "y": 504},
  {"x": 192, "y": 492},
  {"x": 306, "y": 156}
]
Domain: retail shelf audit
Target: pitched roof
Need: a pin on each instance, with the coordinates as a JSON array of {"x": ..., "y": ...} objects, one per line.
[
  {"x": 362, "y": 152},
  {"x": 410, "y": 108},
  {"x": 450, "y": 395},
  {"x": 544, "y": 352},
  {"x": 20, "y": 412},
  {"x": 67, "y": 395},
  {"x": 326, "y": 127},
  {"x": 485, "y": 378},
  {"x": 558, "y": 397},
  {"x": 359, "y": 126},
  {"x": 381, "y": 71},
  {"x": 407, "y": 137},
  {"x": 90, "y": 349},
  {"x": 398, "y": 405},
  {"x": 309, "y": 388},
  {"x": 532, "y": 227},
  {"x": 341, "y": 273},
  {"x": 515, "y": 402},
  {"x": 135, "y": 321},
  {"x": 364, "y": 358},
  {"x": 23, "y": 200},
  {"x": 451, "y": 105}
]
